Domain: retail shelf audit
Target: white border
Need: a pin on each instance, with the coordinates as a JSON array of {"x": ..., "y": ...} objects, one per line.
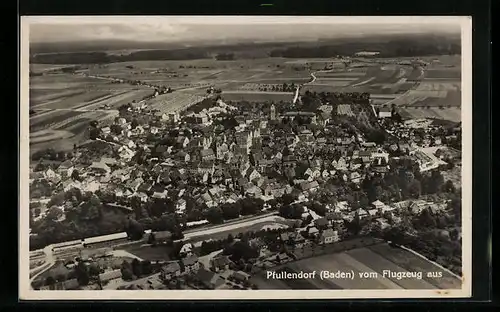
[{"x": 25, "y": 293}]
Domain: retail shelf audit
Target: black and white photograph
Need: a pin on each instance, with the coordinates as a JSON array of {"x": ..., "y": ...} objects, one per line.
[{"x": 291, "y": 157}]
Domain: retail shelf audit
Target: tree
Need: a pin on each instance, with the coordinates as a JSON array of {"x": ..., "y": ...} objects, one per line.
[
  {"x": 287, "y": 199},
  {"x": 126, "y": 270},
  {"x": 449, "y": 187},
  {"x": 146, "y": 267},
  {"x": 50, "y": 280},
  {"x": 151, "y": 238},
  {"x": 414, "y": 189},
  {"x": 82, "y": 274},
  {"x": 426, "y": 219},
  {"x": 231, "y": 211},
  {"x": 75, "y": 175},
  {"x": 214, "y": 215},
  {"x": 94, "y": 270},
  {"x": 56, "y": 200},
  {"x": 54, "y": 213},
  {"x": 136, "y": 267},
  {"x": 134, "y": 229}
]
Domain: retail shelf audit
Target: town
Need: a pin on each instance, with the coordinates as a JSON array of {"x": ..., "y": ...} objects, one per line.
[{"x": 323, "y": 174}]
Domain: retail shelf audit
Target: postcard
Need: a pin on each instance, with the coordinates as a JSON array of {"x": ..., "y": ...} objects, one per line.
[{"x": 292, "y": 157}]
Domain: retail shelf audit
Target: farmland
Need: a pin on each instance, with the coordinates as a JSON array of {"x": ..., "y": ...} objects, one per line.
[
  {"x": 431, "y": 91},
  {"x": 373, "y": 259},
  {"x": 65, "y": 103},
  {"x": 172, "y": 102},
  {"x": 344, "y": 109}
]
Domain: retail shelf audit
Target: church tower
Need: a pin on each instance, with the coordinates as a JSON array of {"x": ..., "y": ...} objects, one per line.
[{"x": 273, "y": 112}]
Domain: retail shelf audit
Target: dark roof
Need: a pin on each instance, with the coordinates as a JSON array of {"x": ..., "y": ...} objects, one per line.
[
  {"x": 206, "y": 152},
  {"x": 190, "y": 260},
  {"x": 171, "y": 268},
  {"x": 321, "y": 222},
  {"x": 221, "y": 261},
  {"x": 162, "y": 235}
]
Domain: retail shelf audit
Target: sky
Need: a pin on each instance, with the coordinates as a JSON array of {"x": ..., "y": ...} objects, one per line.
[{"x": 185, "y": 28}]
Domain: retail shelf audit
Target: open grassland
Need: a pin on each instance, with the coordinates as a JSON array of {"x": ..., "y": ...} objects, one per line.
[{"x": 373, "y": 260}]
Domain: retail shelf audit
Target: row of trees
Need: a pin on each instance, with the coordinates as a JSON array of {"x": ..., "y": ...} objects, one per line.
[{"x": 388, "y": 47}]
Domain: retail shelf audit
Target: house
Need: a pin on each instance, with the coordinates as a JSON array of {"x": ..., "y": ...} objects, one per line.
[
  {"x": 207, "y": 154},
  {"x": 384, "y": 112},
  {"x": 372, "y": 212},
  {"x": 361, "y": 213},
  {"x": 106, "y": 130},
  {"x": 241, "y": 276},
  {"x": 313, "y": 231},
  {"x": 191, "y": 264},
  {"x": 170, "y": 271},
  {"x": 381, "y": 223},
  {"x": 378, "y": 205},
  {"x": 220, "y": 263},
  {"x": 161, "y": 237},
  {"x": 209, "y": 279},
  {"x": 182, "y": 156},
  {"x": 110, "y": 275},
  {"x": 253, "y": 175},
  {"x": 100, "y": 168},
  {"x": 309, "y": 187},
  {"x": 328, "y": 236},
  {"x": 222, "y": 151},
  {"x": 253, "y": 191},
  {"x": 66, "y": 168},
  {"x": 380, "y": 154},
  {"x": 355, "y": 177},
  {"x": 321, "y": 222}
]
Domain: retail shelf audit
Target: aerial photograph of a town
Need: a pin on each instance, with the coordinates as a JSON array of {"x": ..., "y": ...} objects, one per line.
[{"x": 251, "y": 154}]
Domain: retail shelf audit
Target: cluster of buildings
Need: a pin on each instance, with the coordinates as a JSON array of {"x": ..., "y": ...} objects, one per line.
[
  {"x": 204, "y": 157},
  {"x": 194, "y": 156}
]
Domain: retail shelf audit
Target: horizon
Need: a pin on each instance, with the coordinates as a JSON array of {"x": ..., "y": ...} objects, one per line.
[{"x": 177, "y": 30}]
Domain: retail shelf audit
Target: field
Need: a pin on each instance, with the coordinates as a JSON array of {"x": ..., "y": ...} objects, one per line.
[
  {"x": 172, "y": 102},
  {"x": 432, "y": 91},
  {"x": 345, "y": 109},
  {"x": 257, "y": 96},
  {"x": 372, "y": 260},
  {"x": 452, "y": 114},
  {"x": 65, "y": 103}
]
